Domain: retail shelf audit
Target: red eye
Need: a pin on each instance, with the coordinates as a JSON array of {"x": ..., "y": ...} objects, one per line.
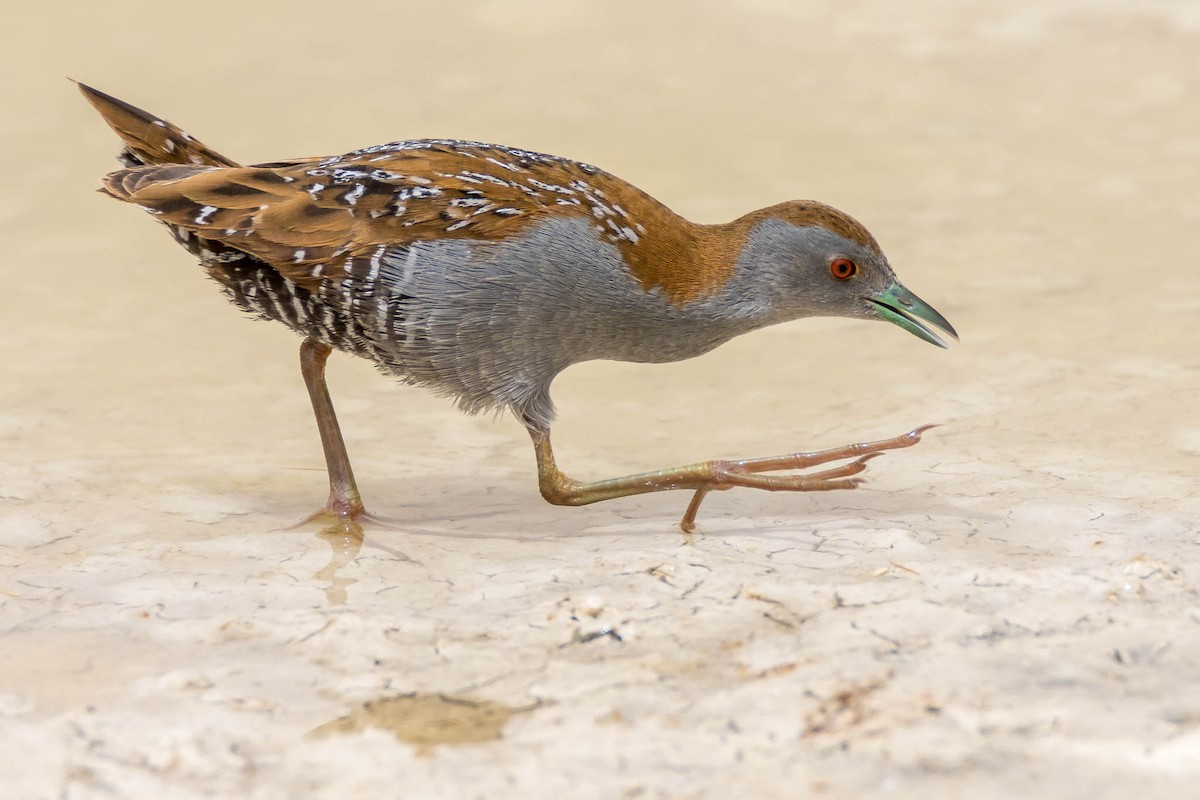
[{"x": 843, "y": 268}]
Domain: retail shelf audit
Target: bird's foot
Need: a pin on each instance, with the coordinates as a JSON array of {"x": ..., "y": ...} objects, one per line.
[
  {"x": 746, "y": 473},
  {"x": 347, "y": 513}
]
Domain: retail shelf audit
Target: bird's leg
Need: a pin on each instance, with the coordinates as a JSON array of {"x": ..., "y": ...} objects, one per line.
[
  {"x": 706, "y": 476},
  {"x": 344, "y": 501}
]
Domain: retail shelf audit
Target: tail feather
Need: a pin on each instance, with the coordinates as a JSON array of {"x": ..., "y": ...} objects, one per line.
[
  {"x": 148, "y": 139},
  {"x": 123, "y": 183}
]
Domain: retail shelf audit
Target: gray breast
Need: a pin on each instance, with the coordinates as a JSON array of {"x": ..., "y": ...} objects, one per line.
[{"x": 492, "y": 323}]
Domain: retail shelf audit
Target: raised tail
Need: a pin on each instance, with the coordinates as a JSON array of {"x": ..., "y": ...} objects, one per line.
[{"x": 148, "y": 139}]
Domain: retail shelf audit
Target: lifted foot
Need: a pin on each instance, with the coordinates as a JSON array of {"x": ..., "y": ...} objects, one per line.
[
  {"x": 743, "y": 473},
  {"x": 708, "y": 476}
]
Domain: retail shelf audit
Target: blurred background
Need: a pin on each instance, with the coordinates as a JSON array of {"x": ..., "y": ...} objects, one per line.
[{"x": 1029, "y": 167}]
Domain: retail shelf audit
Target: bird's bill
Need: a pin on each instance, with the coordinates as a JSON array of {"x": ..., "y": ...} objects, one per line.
[{"x": 898, "y": 305}]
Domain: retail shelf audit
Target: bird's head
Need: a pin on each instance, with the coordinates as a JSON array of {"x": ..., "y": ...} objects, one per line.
[{"x": 813, "y": 260}]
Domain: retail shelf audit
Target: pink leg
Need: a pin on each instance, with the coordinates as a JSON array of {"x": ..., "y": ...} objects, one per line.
[
  {"x": 344, "y": 501},
  {"x": 707, "y": 476}
]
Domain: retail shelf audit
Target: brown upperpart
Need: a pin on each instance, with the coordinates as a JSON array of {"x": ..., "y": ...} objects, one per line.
[{"x": 307, "y": 217}]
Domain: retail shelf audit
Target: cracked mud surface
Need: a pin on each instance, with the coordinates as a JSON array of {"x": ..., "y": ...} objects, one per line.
[{"x": 1008, "y": 609}]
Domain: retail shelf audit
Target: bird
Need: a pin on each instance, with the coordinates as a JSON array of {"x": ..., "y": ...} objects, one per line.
[{"x": 481, "y": 271}]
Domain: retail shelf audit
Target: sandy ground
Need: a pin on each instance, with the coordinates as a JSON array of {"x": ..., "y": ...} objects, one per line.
[{"x": 1009, "y": 609}]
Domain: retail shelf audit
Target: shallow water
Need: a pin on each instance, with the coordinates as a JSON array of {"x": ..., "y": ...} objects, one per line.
[{"x": 1008, "y": 608}]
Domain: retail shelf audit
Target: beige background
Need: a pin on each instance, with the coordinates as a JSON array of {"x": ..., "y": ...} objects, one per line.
[{"x": 1009, "y": 609}]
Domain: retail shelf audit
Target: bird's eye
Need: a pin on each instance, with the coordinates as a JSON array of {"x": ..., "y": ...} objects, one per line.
[{"x": 843, "y": 269}]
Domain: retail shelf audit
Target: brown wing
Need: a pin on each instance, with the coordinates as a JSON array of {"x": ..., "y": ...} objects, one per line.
[{"x": 306, "y": 217}]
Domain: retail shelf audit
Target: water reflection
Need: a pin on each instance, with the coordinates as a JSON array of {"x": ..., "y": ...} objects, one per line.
[{"x": 345, "y": 540}]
